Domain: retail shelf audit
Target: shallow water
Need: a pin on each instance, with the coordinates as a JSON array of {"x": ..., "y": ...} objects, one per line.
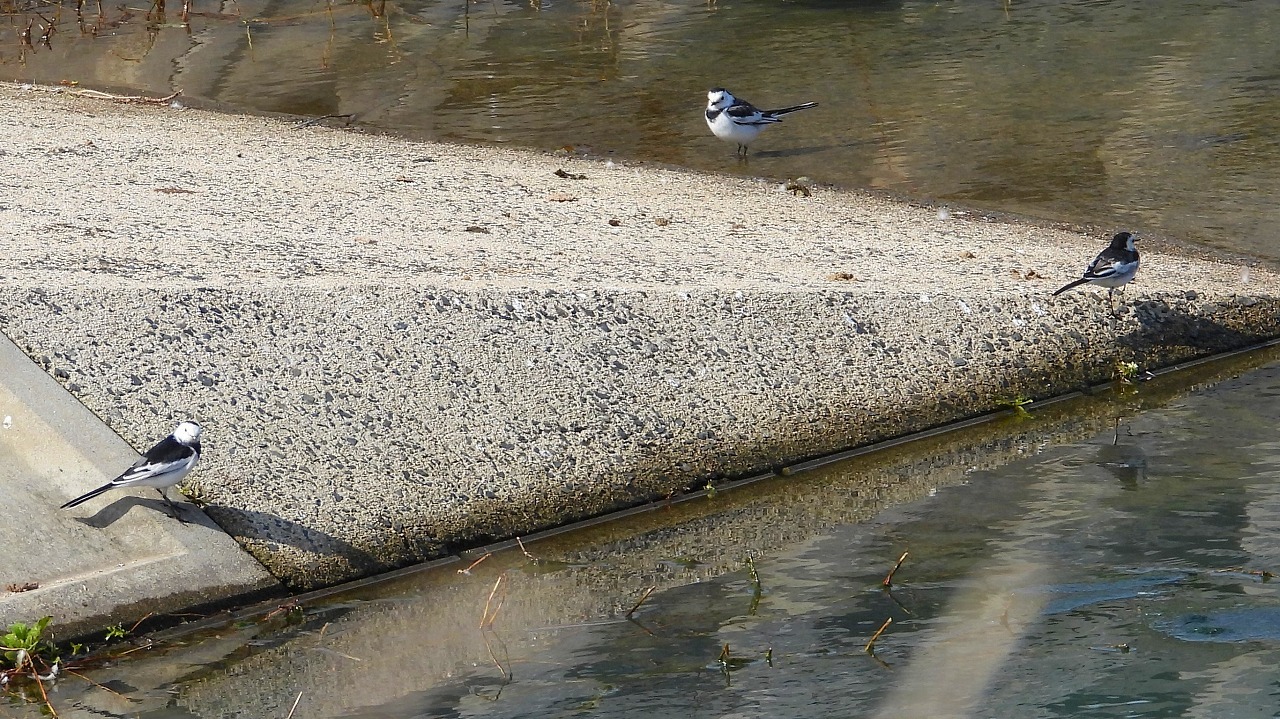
[
  {"x": 1161, "y": 118},
  {"x": 1058, "y": 567}
]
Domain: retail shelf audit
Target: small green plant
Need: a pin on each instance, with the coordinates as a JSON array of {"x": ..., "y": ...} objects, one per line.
[
  {"x": 1126, "y": 371},
  {"x": 25, "y": 642},
  {"x": 28, "y": 656},
  {"x": 116, "y": 631},
  {"x": 194, "y": 492},
  {"x": 1018, "y": 405}
]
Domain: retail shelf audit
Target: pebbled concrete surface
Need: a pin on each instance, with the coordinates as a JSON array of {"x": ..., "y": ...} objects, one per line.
[{"x": 398, "y": 349}]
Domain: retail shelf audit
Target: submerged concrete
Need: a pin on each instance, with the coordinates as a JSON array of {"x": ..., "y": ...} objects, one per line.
[{"x": 399, "y": 348}]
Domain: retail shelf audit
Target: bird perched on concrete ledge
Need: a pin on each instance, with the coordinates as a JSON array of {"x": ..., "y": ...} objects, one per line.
[
  {"x": 735, "y": 120},
  {"x": 163, "y": 466},
  {"x": 1114, "y": 267}
]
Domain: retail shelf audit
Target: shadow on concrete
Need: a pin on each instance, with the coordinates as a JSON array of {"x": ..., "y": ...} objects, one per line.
[
  {"x": 1164, "y": 325},
  {"x": 113, "y": 512},
  {"x": 255, "y": 529}
]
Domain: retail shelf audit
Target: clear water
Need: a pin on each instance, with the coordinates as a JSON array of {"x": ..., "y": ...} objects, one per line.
[
  {"x": 1057, "y": 568},
  {"x": 1162, "y": 117}
]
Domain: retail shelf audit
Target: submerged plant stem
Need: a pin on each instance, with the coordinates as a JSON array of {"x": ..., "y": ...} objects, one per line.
[{"x": 643, "y": 597}]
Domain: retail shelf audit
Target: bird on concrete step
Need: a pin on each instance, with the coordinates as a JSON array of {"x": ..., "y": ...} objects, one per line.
[
  {"x": 1114, "y": 267},
  {"x": 163, "y": 466},
  {"x": 735, "y": 120}
]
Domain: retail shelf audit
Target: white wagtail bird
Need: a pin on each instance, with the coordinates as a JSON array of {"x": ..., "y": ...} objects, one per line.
[
  {"x": 1114, "y": 267},
  {"x": 735, "y": 120},
  {"x": 163, "y": 466}
]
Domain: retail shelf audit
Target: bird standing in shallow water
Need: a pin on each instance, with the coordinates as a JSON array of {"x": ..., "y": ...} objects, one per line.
[
  {"x": 1114, "y": 267},
  {"x": 735, "y": 120},
  {"x": 163, "y": 466}
]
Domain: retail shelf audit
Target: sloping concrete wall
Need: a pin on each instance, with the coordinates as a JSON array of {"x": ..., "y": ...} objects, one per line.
[
  {"x": 398, "y": 348},
  {"x": 352, "y": 431}
]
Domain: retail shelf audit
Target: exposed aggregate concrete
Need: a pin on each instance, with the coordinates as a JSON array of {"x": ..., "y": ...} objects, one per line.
[{"x": 400, "y": 348}]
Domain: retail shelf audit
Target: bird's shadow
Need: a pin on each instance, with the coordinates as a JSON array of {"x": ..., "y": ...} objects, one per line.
[
  {"x": 1163, "y": 325},
  {"x": 267, "y": 529},
  {"x": 264, "y": 527},
  {"x": 112, "y": 513},
  {"x": 806, "y": 150}
]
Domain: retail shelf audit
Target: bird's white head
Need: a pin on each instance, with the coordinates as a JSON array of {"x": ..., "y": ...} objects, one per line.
[
  {"x": 187, "y": 433},
  {"x": 718, "y": 98}
]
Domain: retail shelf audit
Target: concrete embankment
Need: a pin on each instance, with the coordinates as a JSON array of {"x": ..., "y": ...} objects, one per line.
[
  {"x": 399, "y": 348},
  {"x": 588, "y": 577}
]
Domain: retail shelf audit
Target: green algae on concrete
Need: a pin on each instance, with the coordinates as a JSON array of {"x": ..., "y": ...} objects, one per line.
[{"x": 401, "y": 348}]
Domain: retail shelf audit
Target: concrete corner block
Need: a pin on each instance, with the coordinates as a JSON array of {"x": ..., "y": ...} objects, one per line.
[{"x": 115, "y": 559}]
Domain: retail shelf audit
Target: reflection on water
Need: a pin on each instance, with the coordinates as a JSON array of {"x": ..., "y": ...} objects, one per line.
[
  {"x": 1039, "y": 582},
  {"x": 1120, "y": 113}
]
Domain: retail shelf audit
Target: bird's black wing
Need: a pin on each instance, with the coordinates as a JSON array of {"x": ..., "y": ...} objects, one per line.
[
  {"x": 744, "y": 113},
  {"x": 168, "y": 451},
  {"x": 1104, "y": 265}
]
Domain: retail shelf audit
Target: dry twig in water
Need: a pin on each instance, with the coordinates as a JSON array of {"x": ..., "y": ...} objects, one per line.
[
  {"x": 486, "y": 621},
  {"x": 136, "y": 624},
  {"x": 870, "y": 648},
  {"x": 100, "y": 686},
  {"x": 524, "y": 551},
  {"x": 643, "y": 597},
  {"x": 473, "y": 564},
  {"x": 506, "y": 675},
  {"x": 888, "y": 578}
]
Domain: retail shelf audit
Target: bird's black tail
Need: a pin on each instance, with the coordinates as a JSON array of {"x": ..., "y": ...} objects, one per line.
[
  {"x": 87, "y": 496},
  {"x": 785, "y": 110},
  {"x": 1077, "y": 283}
]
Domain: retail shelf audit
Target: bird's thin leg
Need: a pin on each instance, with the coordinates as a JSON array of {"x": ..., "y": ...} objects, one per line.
[{"x": 173, "y": 508}]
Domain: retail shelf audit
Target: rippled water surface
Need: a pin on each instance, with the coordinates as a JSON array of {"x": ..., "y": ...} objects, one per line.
[
  {"x": 1059, "y": 565},
  {"x": 1164, "y": 117}
]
